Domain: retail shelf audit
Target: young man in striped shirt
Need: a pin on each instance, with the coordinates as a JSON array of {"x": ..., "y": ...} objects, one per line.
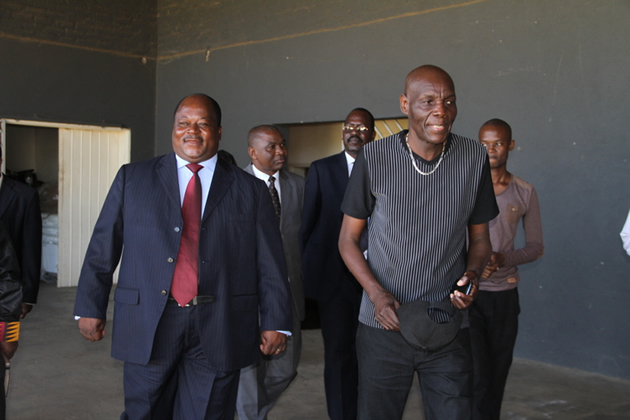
[{"x": 425, "y": 191}]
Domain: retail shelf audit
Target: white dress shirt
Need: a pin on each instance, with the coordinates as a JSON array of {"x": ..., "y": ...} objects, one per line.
[
  {"x": 263, "y": 176},
  {"x": 205, "y": 176},
  {"x": 350, "y": 160}
]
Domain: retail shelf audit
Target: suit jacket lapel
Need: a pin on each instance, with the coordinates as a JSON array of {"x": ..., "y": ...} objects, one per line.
[
  {"x": 249, "y": 169},
  {"x": 341, "y": 173},
  {"x": 288, "y": 195},
  {"x": 167, "y": 173},
  {"x": 221, "y": 182}
]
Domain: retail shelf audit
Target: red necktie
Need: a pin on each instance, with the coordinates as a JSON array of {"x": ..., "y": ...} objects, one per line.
[{"x": 186, "y": 276}]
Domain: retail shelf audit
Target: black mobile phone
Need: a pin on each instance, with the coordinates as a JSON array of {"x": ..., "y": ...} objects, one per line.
[{"x": 465, "y": 289}]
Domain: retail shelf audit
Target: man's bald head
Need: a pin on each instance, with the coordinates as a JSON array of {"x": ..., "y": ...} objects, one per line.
[
  {"x": 498, "y": 123},
  {"x": 254, "y": 133},
  {"x": 425, "y": 72}
]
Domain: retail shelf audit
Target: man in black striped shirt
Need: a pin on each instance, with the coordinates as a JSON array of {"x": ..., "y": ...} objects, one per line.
[{"x": 424, "y": 191}]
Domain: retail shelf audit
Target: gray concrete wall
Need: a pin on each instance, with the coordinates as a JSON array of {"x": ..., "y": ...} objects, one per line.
[
  {"x": 81, "y": 61},
  {"x": 556, "y": 70},
  {"x": 120, "y": 26}
]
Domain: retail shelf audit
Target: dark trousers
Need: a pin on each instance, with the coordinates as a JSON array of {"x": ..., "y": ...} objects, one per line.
[
  {"x": 339, "y": 320},
  {"x": 178, "y": 383},
  {"x": 386, "y": 368},
  {"x": 493, "y": 330}
]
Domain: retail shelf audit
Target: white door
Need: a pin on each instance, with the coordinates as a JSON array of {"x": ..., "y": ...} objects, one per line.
[
  {"x": 88, "y": 162},
  {"x": 89, "y": 157}
]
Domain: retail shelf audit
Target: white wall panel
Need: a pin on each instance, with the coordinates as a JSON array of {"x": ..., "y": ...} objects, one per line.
[{"x": 89, "y": 160}]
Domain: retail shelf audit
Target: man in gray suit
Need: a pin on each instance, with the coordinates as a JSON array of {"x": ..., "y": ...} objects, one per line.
[{"x": 262, "y": 383}]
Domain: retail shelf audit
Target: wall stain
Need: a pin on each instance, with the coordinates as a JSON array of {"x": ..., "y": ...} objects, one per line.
[
  {"x": 78, "y": 47},
  {"x": 319, "y": 31},
  {"x": 208, "y": 51}
]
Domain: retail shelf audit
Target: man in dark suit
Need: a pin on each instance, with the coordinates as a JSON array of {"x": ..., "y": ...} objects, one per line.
[
  {"x": 262, "y": 383},
  {"x": 10, "y": 310},
  {"x": 21, "y": 216},
  {"x": 188, "y": 316},
  {"x": 326, "y": 278}
]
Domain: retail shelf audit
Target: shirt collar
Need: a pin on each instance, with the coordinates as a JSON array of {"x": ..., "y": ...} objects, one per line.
[
  {"x": 261, "y": 175},
  {"x": 349, "y": 159},
  {"x": 207, "y": 164}
]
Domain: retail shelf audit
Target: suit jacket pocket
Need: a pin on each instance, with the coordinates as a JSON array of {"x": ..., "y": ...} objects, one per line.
[
  {"x": 128, "y": 296},
  {"x": 245, "y": 303}
]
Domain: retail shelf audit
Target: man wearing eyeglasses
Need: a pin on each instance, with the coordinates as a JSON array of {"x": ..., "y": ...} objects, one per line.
[{"x": 326, "y": 278}]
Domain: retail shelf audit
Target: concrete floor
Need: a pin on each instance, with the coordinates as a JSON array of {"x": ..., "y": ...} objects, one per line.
[{"x": 56, "y": 374}]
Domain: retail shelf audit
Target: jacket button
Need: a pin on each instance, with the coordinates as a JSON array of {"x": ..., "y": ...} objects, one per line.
[
  {"x": 170, "y": 260},
  {"x": 177, "y": 229},
  {"x": 164, "y": 293}
]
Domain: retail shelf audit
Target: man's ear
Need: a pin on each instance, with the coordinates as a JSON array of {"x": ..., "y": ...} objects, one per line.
[
  {"x": 252, "y": 153},
  {"x": 404, "y": 104},
  {"x": 512, "y": 144}
]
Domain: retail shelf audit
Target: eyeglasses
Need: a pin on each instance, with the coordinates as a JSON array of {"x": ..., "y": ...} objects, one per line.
[{"x": 359, "y": 128}]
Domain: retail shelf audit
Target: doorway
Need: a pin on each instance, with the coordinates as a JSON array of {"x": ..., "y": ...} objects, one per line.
[
  {"x": 311, "y": 141},
  {"x": 72, "y": 167}
]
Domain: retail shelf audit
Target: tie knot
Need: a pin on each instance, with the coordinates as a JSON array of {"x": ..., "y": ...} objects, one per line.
[
  {"x": 194, "y": 167},
  {"x": 271, "y": 179}
]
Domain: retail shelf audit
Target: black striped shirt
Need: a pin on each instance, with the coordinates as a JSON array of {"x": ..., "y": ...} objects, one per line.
[{"x": 418, "y": 224}]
